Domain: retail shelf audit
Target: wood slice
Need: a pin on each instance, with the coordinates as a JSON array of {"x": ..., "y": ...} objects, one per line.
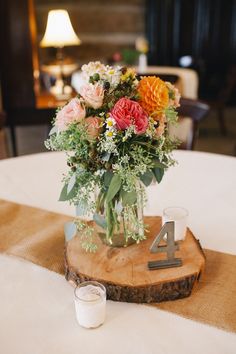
[{"x": 124, "y": 271}]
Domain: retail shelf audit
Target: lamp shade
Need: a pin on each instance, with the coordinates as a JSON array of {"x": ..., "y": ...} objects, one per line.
[{"x": 59, "y": 31}]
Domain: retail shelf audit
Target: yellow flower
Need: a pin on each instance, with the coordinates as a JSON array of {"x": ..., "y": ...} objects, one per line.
[
  {"x": 109, "y": 134},
  {"x": 110, "y": 123},
  {"x": 154, "y": 96},
  {"x": 129, "y": 73}
]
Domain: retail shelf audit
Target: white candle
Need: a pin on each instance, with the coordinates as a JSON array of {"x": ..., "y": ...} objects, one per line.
[
  {"x": 142, "y": 64},
  {"x": 90, "y": 304},
  {"x": 179, "y": 215}
]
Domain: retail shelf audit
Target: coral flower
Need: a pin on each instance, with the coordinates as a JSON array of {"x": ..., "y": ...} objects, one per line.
[
  {"x": 127, "y": 112},
  {"x": 154, "y": 96}
]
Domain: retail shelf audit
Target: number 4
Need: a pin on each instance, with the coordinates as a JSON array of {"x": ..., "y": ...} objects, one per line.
[{"x": 169, "y": 248}]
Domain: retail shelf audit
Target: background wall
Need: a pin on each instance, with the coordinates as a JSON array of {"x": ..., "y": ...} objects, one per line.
[
  {"x": 104, "y": 26},
  {"x": 204, "y": 29}
]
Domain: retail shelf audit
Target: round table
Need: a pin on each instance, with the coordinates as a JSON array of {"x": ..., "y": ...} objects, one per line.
[{"x": 36, "y": 305}]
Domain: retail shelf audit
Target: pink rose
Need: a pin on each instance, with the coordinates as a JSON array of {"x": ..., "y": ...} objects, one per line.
[
  {"x": 127, "y": 112},
  {"x": 73, "y": 112},
  {"x": 92, "y": 94},
  {"x": 93, "y": 127}
]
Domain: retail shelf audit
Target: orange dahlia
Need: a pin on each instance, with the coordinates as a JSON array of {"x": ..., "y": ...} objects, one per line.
[{"x": 154, "y": 96}]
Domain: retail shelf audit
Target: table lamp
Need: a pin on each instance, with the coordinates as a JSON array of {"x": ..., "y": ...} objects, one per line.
[{"x": 59, "y": 33}]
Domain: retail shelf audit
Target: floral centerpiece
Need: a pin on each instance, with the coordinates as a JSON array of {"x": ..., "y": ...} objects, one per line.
[{"x": 115, "y": 134}]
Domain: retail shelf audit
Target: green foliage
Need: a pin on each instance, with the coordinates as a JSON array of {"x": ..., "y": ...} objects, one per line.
[
  {"x": 64, "y": 196},
  {"x": 171, "y": 115},
  {"x": 128, "y": 198},
  {"x": 94, "y": 78},
  {"x": 114, "y": 187},
  {"x": 108, "y": 175},
  {"x": 71, "y": 183},
  {"x": 158, "y": 173},
  {"x": 86, "y": 234},
  {"x": 147, "y": 178}
]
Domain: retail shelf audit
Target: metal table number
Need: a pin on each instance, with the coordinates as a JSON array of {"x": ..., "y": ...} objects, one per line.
[{"x": 170, "y": 248}]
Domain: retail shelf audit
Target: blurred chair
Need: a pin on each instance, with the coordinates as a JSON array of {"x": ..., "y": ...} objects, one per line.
[
  {"x": 191, "y": 112},
  {"x": 187, "y": 78},
  {"x": 173, "y": 79},
  {"x": 3, "y": 142}
]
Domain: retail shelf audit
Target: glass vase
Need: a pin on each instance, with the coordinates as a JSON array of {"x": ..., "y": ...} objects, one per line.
[{"x": 118, "y": 223}]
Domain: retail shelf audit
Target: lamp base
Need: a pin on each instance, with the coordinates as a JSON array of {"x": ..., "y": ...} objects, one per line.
[{"x": 61, "y": 91}]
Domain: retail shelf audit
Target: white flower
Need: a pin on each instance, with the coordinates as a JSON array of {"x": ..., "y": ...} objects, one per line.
[
  {"x": 112, "y": 75},
  {"x": 110, "y": 134},
  {"x": 128, "y": 132},
  {"x": 106, "y": 73},
  {"x": 94, "y": 67},
  {"x": 110, "y": 123}
]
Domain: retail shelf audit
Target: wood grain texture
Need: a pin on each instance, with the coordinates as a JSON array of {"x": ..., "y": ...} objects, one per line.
[{"x": 124, "y": 271}]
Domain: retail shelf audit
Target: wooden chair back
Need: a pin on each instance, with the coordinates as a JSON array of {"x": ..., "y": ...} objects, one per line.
[
  {"x": 195, "y": 110},
  {"x": 173, "y": 79}
]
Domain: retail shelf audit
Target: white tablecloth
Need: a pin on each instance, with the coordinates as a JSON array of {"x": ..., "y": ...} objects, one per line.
[{"x": 36, "y": 305}]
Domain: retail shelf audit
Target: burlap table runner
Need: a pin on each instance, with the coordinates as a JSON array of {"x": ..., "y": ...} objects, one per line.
[{"x": 37, "y": 235}]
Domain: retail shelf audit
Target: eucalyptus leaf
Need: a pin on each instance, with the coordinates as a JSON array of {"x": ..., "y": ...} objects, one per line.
[
  {"x": 147, "y": 178},
  {"x": 100, "y": 220},
  {"x": 53, "y": 130},
  {"x": 159, "y": 164},
  {"x": 114, "y": 187},
  {"x": 128, "y": 198},
  {"x": 70, "y": 230},
  {"x": 107, "y": 178},
  {"x": 64, "y": 196},
  {"x": 159, "y": 173},
  {"x": 71, "y": 183}
]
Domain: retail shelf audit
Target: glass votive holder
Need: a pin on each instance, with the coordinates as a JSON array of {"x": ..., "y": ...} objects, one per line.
[
  {"x": 90, "y": 304},
  {"x": 180, "y": 216}
]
